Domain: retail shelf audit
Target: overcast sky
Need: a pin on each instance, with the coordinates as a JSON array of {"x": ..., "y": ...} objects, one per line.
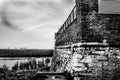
[{"x": 31, "y": 23}]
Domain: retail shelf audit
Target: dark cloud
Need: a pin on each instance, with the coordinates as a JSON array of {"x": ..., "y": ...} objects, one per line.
[{"x": 5, "y": 22}]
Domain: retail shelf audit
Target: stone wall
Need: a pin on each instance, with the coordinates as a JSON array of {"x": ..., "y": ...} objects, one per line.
[
  {"x": 98, "y": 27},
  {"x": 91, "y": 26}
]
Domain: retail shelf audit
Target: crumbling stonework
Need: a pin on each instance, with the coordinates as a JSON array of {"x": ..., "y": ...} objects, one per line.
[
  {"x": 97, "y": 27},
  {"x": 89, "y": 25}
]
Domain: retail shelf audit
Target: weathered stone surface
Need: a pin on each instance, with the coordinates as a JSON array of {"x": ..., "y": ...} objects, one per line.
[
  {"x": 91, "y": 26},
  {"x": 98, "y": 27}
]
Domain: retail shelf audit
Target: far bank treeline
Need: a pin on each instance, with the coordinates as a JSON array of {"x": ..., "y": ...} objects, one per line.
[{"x": 26, "y": 53}]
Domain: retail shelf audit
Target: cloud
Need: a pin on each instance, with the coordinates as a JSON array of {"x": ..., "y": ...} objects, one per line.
[
  {"x": 22, "y": 14},
  {"x": 32, "y": 22}
]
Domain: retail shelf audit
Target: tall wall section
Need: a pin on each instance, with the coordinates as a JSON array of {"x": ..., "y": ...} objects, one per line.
[
  {"x": 86, "y": 24},
  {"x": 67, "y": 34},
  {"x": 96, "y": 27}
]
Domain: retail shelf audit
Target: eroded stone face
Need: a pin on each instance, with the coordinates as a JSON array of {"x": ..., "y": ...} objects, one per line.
[
  {"x": 97, "y": 26},
  {"x": 87, "y": 60}
]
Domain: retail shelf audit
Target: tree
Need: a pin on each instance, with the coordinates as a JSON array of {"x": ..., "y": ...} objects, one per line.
[
  {"x": 116, "y": 75},
  {"x": 21, "y": 66},
  {"x": 40, "y": 64},
  {"x": 15, "y": 67},
  {"x": 32, "y": 63},
  {"x": 5, "y": 67}
]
